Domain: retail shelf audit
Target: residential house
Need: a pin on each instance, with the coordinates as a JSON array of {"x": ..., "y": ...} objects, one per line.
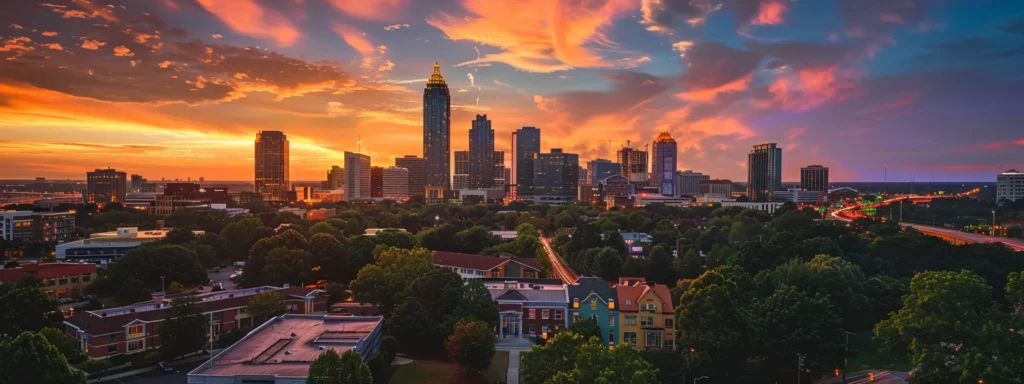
[
  {"x": 529, "y": 307},
  {"x": 136, "y": 328},
  {"x": 594, "y": 298},
  {"x": 471, "y": 266},
  {"x": 646, "y": 315}
]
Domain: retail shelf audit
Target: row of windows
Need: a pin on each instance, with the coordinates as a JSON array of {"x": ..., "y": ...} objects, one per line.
[
  {"x": 646, "y": 321},
  {"x": 545, "y": 314},
  {"x": 64, "y": 280}
]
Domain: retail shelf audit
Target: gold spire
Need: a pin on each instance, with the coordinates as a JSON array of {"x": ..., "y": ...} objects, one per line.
[
  {"x": 436, "y": 79},
  {"x": 664, "y": 137}
]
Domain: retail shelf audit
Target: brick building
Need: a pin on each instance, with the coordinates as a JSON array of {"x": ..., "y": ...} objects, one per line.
[
  {"x": 59, "y": 279},
  {"x": 529, "y": 307},
  {"x": 136, "y": 328}
]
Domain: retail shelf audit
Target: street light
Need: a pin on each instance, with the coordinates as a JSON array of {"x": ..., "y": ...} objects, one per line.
[
  {"x": 695, "y": 379},
  {"x": 993, "y": 223}
]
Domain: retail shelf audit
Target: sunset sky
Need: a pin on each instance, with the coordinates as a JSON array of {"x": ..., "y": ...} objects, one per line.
[{"x": 179, "y": 88}]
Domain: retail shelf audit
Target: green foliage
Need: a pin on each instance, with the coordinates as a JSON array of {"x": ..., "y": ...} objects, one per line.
[
  {"x": 25, "y": 308},
  {"x": 475, "y": 239},
  {"x": 30, "y": 358},
  {"x": 586, "y": 327},
  {"x": 239, "y": 237},
  {"x": 471, "y": 345},
  {"x": 286, "y": 265},
  {"x": 330, "y": 368},
  {"x": 336, "y": 292},
  {"x": 96, "y": 366},
  {"x": 607, "y": 264},
  {"x": 175, "y": 288},
  {"x": 382, "y": 282},
  {"x": 567, "y": 358},
  {"x": 66, "y": 345},
  {"x": 379, "y": 364},
  {"x": 184, "y": 329},
  {"x": 265, "y": 305},
  {"x": 149, "y": 262},
  {"x": 132, "y": 291}
]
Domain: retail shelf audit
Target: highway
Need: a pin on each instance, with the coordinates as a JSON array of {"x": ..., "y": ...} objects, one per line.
[{"x": 558, "y": 266}]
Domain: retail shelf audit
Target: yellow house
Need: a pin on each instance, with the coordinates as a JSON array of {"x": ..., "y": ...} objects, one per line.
[{"x": 646, "y": 316}]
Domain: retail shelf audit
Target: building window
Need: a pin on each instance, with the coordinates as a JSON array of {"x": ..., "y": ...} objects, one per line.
[
  {"x": 575, "y": 315},
  {"x": 544, "y": 328},
  {"x": 653, "y": 339},
  {"x": 558, "y": 315},
  {"x": 629, "y": 337},
  {"x": 611, "y": 337},
  {"x": 62, "y": 281},
  {"x": 545, "y": 314},
  {"x": 533, "y": 329},
  {"x": 74, "y": 279},
  {"x": 111, "y": 349},
  {"x": 134, "y": 346},
  {"x": 532, "y": 313},
  {"x": 611, "y": 321},
  {"x": 669, "y": 323},
  {"x": 668, "y": 344},
  {"x": 629, "y": 320},
  {"x": 86, "y": 278},
  {"x": 135, "y": 330},
  {"x": 593, "y": 304}
]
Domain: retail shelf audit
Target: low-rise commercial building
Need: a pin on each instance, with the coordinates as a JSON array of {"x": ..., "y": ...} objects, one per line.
[
  {"x": 471, "y": 266},
  {"x": 647, "y": 317},
  {"x": 136, "y": 328},
  {"x": 104, "y": 247},
  {"x": 715, "y": 187},
  {"x": 62, "y": 280},
  {"x": 36, "y": 227},
  {"x": 281, "y": 350},
  {"x": 763, "y": 206},
  {"x": 799, "y": 196}
]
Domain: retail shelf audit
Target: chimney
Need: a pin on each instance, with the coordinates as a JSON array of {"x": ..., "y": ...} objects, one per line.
[
  {"x": 158, "y": 297},
  {"x": 159, "y": 224}
]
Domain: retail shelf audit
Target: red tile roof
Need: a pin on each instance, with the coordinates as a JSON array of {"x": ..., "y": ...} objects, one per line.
[
  {"x": 630, "y": 295},
  {"x": 46, "y": 271}
]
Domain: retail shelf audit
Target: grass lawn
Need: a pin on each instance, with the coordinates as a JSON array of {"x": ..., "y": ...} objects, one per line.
[
  {"x": 871, "y": 355},
  {"x": 443, "y": 372}
]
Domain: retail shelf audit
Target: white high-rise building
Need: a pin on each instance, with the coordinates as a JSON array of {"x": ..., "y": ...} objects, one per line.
[
  {"x": 1010, "y": 186},
  {"x": 357, "y": 176},
  {"x": 396, "y": 183}
]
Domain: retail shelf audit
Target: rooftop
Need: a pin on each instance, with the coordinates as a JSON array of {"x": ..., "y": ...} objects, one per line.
[
  {"x": 46, "y": 270},
  {"x": 286, "y": 345},
  {"x": 480, "y": 262}
]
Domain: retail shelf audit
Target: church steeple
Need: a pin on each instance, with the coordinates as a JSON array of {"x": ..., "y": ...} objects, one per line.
[{"x": 436, "y": 80}]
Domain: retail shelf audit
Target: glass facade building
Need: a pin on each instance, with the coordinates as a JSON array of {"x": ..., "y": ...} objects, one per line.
[
  {"x": 664, "y": 164},
  {"x": 271, "y": 160},
  {"x": 481, "y": 153},
  {"x": 764, "y": 171}
]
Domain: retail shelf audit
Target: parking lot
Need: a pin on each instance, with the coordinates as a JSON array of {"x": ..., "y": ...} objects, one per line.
[{"x": 179, "y": 376}]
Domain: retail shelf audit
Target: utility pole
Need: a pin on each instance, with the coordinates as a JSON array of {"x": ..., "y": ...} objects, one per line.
[
  {"x": 901, "y": 211},
  {"x": 993, "y": 223},
  {"x": 799, "y": 367},
  {"x": 885, "y": 181},
  {"x": 162, "y": 285},
  {"x": 846, "y": 355}
]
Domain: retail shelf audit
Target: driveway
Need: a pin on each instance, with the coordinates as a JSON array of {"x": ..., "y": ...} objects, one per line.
[
  {"x": 179, "y": 376},
  {"x": 223, "y": 277}
]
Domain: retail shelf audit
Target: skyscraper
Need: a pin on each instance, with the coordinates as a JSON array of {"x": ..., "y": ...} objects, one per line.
[
  {"x": 814, "y": 178},
  {"x": 663, "y": 170},
  {"x": 600, "y": 169},
  {"x": 105, "y": 186},
  {"x": 436, "y": 131},
  {"x": 461, "y": 178},
  {"x": 634, "y": 165},
  {"x": 764, "y": 171},
  {"x": 272, "y": 180},
  {"x": 357, "y": 176},
  {"x": 396, "y": 183},
  {"x": 555, "y": 178},
  {"x": 527, "y": 145},
  {"x": 335, "y": 178},
  {"x": 481, "y": 153},
  {"x": 1009, "y": 186},
  {"x": 376, "y": 181},
  {"x": 415, "y": 166},
  {"x": 499, "y": 170}
]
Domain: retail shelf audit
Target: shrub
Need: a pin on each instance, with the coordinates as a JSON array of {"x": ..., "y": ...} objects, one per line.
[{"x": 94, "y": 366}]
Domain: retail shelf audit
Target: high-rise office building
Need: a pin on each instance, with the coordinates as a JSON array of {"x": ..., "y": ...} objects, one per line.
[
  {"x": 764, "y": 171},
  {"x": 415, "y": 166},
  {"x": 335, "y": 178},
  {"x": 584, "y": 176},
  {"x": 396, "y": 183},
  {"x": 555, "y": 178},
  {"x": 1010, "y": 186},
  {"x": 105, "y": 186},
  {"x": 481, "y": 154},
  {"x": 526, "y": 142},
  {"x": 460, "y": 180},
  {"x": 814, "y": 178},
  {"x": 663, "y": 159},
  {"x": 376, "y": 181},
  {"x": 140, "y": 184},
  {"x": 357, "y": 176},
  {"x": 499, "y": 170},
  {"x": 634, "y": 165},
  {"x": 272, "y": 165},
  {"x": 688, "y": 182},
  {"x": 436, "y": 131},
  {"x": 600, "y": 169}
]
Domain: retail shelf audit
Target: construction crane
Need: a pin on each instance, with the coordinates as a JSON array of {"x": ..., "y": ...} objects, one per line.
[{"x": 613, "y": 150}]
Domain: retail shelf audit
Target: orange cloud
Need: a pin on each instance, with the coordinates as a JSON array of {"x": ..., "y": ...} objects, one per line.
[
  {"x": 55, "y": 47},
  {"x": 355, "y": 38},
  {"x": 376, "y": 10},
  {"x": 249, "y": 18},
  {"x": 709, "y": 95},
  {"x": 121, "y": 50},
  {"x": 92, "y": 44},
  {"x": 17, "y": 44},
  {"x": 769, "y": 13},
  {"x": 536, "y": 35},
  {"x": 811, "y": 88},
  {"x": 49, "y": 33}
]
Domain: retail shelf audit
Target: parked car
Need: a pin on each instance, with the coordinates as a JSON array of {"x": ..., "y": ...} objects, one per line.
[{"x": 166, "y": 367}]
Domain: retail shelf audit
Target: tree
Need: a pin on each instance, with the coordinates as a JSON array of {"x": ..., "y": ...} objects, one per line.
[
  {"x": 132, "y": 291},
  {"x": 30, "y": 358},
  {"x": 336, "y": 292},
  {"x": 586, "y": 327},
  {"x": 477, "y": 304},
  {"x": 475, "y": 239},
  {"x": 184, "y": 329},
  {"x": 330, "y": 368},
  {"x": 26, "y": 309},
  {"x": 659, "y": 266},
  {"x": 439, "y": 238},
  {"x": 471, "y": 345},
  {"x": 379, "y": 364},
  {"x": 607, "y": 264},
  {"x": 149, "y": 262},
  {"x": 791, "y": 321},
  {"x": 689, "y": 264},
  {"x": 285, "y": 266},
  {"x": 66, "y": 345},
  {"x": 792, "y": 221},
  {"x": 713, "y": 327},
  {"x": 567, "y": 358},
  {"x": 384, "y": 281},
  {"x": 240, "y": 236},
  {"x": 180, "y": 235},
  {"x": 323, "y": 227},
  {"x": 175, "y": 288},
  {"x": 396, "y": 238},
  {"x": 264, "y": 305},
  {"x": 543, "y": 362}
]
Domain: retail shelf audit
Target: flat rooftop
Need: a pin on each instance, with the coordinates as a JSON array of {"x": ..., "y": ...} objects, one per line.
[{"x": 286, "y": 345}]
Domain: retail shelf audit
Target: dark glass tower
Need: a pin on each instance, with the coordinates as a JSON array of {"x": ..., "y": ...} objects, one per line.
[
  {"x": 663, "y": 167},
  {"x": 272, "y": 165},
  {"x": 527, "y": 146},
  {"x": 436, "y": 131},
  {"x": 764, "y": 171},
  {"x": 481, "y": 153}
]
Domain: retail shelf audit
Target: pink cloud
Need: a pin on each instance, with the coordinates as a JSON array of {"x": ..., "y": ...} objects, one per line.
[
  {"x": 895, "y": 104},
  {"x": 355, "y": 38},
  {"x": 249, "y": 18},
  {"x": 769, "y": 13},
  {"x": 811, "y": 88},
  {"x": 376, "y": 10}
]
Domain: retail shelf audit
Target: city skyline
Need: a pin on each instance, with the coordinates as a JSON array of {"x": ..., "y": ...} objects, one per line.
[{"x": 178, "y": 88}]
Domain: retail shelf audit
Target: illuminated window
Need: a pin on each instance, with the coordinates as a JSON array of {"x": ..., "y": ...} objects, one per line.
[
  {"x": 135, "y": 330},
  {"x": 545, "y": 314},
  {"x": 136, "y": 345},
  {"x": 593, "y": 304},
  {"x": 533, "y": 313}
]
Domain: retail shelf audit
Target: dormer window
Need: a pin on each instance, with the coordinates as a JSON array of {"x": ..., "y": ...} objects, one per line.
[{"x": 576, "y": 302}]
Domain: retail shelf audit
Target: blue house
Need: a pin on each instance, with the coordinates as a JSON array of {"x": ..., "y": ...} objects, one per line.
[{"x": 595, "y": 298}]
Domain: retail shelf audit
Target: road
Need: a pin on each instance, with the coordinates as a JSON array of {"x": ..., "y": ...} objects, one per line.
[
  {"x": 558, "y": 266},
  {"x": 180, "y": 375}
]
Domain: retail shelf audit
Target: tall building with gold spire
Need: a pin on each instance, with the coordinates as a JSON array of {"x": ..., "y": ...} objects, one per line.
[
  {"x": 663, "y": 164},
  {"x": 436, "y": 131}
]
